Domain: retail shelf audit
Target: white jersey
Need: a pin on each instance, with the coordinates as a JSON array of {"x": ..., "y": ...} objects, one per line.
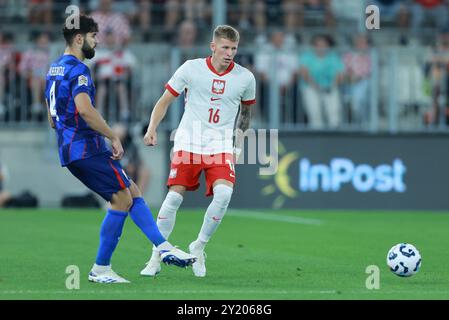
[{"x": 212, "y": 104}]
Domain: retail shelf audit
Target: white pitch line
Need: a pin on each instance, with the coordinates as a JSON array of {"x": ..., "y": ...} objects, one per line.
[
  {"x": 272, "y": 217},
  {"x": 13, "y": 292},
  {"x": 278, "y": 292}
]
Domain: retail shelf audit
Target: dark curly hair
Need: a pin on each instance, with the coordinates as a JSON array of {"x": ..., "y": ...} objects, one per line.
[{"x": 86, "y": 25}]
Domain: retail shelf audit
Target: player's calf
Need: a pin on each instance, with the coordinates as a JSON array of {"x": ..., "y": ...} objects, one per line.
[
  {"x": 215, "y": 212},
  {"x": 212, "y": 219}
]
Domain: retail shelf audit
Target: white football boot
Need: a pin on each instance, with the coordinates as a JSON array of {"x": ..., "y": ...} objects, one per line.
[
  {"x": 153, "y": 266},
  {"x": 174, "y": 256},
  {"x": 105, "y": 274},
  {"x": 177, "y": 257},
  {"x": 199, "y": 266}
]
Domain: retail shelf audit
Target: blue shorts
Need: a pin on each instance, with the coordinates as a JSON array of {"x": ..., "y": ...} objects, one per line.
[{"x": 101, "y": 174}]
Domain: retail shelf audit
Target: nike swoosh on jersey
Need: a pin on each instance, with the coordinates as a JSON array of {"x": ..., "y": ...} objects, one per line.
[{"x": 214, "y": 99}]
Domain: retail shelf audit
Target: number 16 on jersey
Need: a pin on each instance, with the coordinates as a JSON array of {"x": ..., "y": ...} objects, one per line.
[{"x": 214, "y": 117}]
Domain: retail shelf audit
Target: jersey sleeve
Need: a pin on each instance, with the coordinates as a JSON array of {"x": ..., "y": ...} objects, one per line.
[
  {"x": 249, "y": 95},
  {"x": 179, "y": 81},
  {"x": 81, "y": 81}
]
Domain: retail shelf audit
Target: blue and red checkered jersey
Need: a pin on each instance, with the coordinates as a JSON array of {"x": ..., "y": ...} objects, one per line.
[{"x": 66, "y": 78}]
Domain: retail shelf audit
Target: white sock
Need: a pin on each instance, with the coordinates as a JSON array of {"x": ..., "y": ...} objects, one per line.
[
  {"x": 167, "y": 214},
  {"x": 100, "y": 269},
  {"x": 199, "y": 245},
  {"x": 155, "y": 254},
  {"x": 164, "y": 246},
  {"x": 215, "y": 212}
]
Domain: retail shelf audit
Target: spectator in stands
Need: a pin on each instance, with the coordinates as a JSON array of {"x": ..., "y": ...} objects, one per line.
[
  {"x": 239, "y": 13},
  {"x": 158, "y": 19},
  {"x": 349, "y": 13},
  {"x": 132, "y": 162},
  {"x": 437, "y": 71},
  {"x": 40, "y": 12},
  {"x": 272, "y": 14},
  {"x": 5, "y": 196},
  {"x": 321, "y": 70},
  {"x": 358, "y": 72},
  {"x": 436, "y": 10},
  {"x": 175, "y": 11},
  {"x": 6, "y": 66},
  {"x": 144, "y": 17},
  {"x": 275, "y": 57},
  {"x": 172, "y": 9},
  {"x": 113, "y": 67},
  {"x": 392, "y": 11},
  {"x": 114, "y": 21},
  {"x": 33, "y": 67},
  {"x": 258, "y": 15},
  {"x": 315, "y": 10},
  {"x": 258, "y": 11},
  {"x": 128, "y": 8},
  {"x": 186, "y": 39},
  {"x": 198, "y": 11},
  {"x": 292, "y": 15},
  {"x": 187, "y": 34}
]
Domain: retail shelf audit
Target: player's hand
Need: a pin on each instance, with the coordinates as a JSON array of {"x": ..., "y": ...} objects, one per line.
[
  {"x": 117, "y": 148},
  {"x": 150, "y": 138}
]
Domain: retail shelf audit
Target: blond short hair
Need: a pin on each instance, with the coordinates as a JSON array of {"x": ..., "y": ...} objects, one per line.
[{"x": 226, "y": 32}]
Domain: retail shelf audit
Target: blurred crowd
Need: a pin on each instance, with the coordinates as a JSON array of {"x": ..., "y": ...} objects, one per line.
[
  {"x": 324, "y": 85},
  {"x": 165, "y": 16}
]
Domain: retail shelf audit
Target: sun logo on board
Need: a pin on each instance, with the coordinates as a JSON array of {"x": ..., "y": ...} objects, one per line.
[{"x": 280, "y": 185}]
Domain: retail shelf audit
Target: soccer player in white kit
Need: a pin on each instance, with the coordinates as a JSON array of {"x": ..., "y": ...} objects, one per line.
[{"x": 216, "y": 89}]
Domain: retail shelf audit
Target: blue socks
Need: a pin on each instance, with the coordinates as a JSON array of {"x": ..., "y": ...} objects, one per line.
[
  {"x": 110, "y": 232},
  {"x": 142, "y": 217},
  {"x": 112, "y": 227}
]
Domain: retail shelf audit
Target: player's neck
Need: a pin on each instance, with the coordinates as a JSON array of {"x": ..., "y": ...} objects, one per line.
[
  {"x": 218, "y": 67},
  {"x": 75, "y": 53}
]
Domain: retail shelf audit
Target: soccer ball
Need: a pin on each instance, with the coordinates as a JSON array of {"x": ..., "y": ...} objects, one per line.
[{"x": 404, "y": 260}]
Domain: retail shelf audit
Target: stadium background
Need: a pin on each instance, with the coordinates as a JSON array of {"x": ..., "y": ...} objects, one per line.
[
  {"x": 390, "y": 101},
  {"x": 392, "y": 87}
]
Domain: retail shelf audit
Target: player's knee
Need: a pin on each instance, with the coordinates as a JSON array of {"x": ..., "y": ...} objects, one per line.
[
  {"x": 135, "y": 191},
  {"x": 122, "y": 200},
  {"x": 128, "y": 201},
  {"x": 178, "y": 189},
  {"x": 222, "y": 195},
  {"x": 173, "y": 200}
]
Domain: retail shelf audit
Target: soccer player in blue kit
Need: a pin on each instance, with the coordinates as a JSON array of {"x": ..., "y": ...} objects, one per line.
[{"x": 81, "y": 133}]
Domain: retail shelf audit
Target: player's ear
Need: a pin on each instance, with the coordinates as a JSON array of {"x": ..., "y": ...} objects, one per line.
[
  {"x": 79, "y": 39},
  {"x": 212, "y": 46}
]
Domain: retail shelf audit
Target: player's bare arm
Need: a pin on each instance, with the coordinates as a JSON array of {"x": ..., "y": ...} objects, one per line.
[
  {"x": 50, "y": 119},
  {"x": 242, "y": 125},
  {"x": 159, "y": 111},
  {"x": 244, "y": 117},
  {"x": 97, "y": 123}
]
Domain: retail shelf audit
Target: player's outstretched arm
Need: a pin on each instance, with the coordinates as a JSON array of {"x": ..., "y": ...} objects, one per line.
[
  {"x": 159, "y": 111},
  {"x": 87, "y": 111}
]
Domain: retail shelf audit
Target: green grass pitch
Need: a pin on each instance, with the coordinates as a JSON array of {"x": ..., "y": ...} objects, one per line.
[{"x": 282, "y": 254}]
